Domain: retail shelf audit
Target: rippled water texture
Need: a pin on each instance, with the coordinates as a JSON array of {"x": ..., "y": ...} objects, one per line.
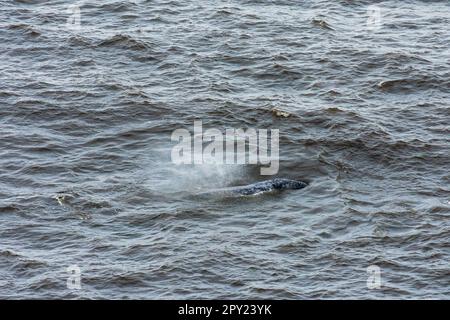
[{"x": 85, "y": 173}]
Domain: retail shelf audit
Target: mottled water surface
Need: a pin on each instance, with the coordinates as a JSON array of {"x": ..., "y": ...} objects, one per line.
[{"x": 85, "y": 173}]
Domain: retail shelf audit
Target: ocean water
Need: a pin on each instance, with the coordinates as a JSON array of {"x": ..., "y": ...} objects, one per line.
[{"x": 91, "y": 92}]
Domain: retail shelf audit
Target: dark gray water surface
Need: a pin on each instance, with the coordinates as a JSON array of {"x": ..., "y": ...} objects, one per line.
[{"x": 86, "y": 115}]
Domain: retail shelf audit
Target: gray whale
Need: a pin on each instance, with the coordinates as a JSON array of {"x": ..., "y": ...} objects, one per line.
[{"x": 259, "y": 187}]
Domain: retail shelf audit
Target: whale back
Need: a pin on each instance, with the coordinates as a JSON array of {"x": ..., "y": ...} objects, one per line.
[{"x": 269, "y": 185}]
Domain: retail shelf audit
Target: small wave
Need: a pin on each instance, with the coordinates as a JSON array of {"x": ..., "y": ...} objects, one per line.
[
  {"x": 321, "y": 23},
  {"x": 25, "y": 28},
  {"x": 124, "y": 41},
  {"x": 9, "y": 253},
  {"x": 115, "y": 6},
  {"x": 412, "y": 84}
]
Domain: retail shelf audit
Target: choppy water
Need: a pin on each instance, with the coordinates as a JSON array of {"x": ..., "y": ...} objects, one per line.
[{"x": 88, "y": 113}]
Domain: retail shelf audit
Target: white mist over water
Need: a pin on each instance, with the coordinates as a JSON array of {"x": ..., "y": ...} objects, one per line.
[{"x": 163, "y": 176}]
